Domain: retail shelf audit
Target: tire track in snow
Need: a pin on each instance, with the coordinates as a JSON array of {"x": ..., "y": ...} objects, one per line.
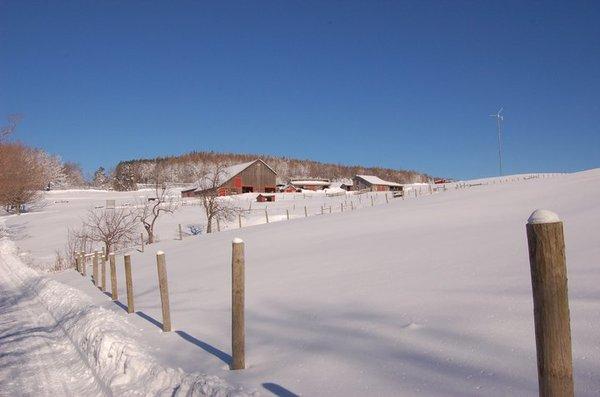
[{"x": 37, "y": 356}]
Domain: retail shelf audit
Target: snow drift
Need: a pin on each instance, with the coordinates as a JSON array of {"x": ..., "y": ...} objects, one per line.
[{"x": 108, "y": 342}]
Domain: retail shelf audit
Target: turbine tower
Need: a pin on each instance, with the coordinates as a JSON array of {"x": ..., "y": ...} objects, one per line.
[{"x": 499, "y": 119}]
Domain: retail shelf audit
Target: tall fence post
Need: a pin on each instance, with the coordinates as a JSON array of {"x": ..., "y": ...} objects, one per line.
[
  {"x": 142, "y": 240},
  {"x": 305, "y": 212},
  {"x": 103, "y": 273},
  {"x": 240, "y": 220},
  {"x": 218, "y": 225},
  {"x": 95, "y": 268},
  {"x": 78, "y": 262},
  {"x": 163, "y": 285},
  {"x": 181, "y": 232},
  {"x": 114, "y": 292},
  {"x": 129, "y": 284},
  {"x": 287, "y": 213},
  {"x": 341, "y": 207},
  {"x": 237, "y": 305},
  {"x": 372, "y": 201},
  {"x": 547, "y": 261},
  {"x": 83, "y": 264},
  {"x": 387, "y": 200},
  {"x": 267, "y": 215}
]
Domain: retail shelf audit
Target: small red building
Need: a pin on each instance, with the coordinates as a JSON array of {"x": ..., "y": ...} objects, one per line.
[{"x": 261, "y": 198}]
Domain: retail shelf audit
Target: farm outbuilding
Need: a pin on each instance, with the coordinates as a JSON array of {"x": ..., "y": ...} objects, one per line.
[
  {"x": 311, "y": 183},
  {"x": 289, "y": 189},
  {"x": 345, "y": 184},
  {"x": 375, "y": 184},
  {"x": 261, "y": 198},
  {"x": 252, "y": 177}
]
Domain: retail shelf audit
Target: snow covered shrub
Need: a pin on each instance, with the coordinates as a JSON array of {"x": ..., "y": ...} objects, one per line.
[
  {"x": 195, "y": 229},
  {"x": 60, "y": 262}
]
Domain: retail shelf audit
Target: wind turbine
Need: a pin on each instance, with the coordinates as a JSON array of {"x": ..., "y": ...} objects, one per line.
[{"x": 499, "y": 119}]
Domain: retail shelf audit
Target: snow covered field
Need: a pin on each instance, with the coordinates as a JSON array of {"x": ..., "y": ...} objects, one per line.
[{"x": 427, "y": 296}]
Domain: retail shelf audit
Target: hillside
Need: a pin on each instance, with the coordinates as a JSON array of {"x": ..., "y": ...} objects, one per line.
[
  {"x": 426, "y": 296},
  {"x": 187, "y": 168}
]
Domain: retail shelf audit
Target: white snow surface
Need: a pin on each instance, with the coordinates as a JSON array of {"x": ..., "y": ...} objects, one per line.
[
  {"x": 543, "y": 216},
  {"x": 421, "y": 296},
  {"x": 56, "y": 342}
]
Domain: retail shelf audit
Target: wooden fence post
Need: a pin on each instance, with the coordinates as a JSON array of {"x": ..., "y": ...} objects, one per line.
[
  {"x": 218, "y": 225},
  {"x": 322, "y": 210},
  {"x": 103, "y": 273},
  {"x": 83, "y": 264},
  {"x": 77, "y": 262},
  {"x": 181, "y": 232},
  {"x": 387, "y": 200},
  {"x": 546, "y": 243},
  {"x": 95, "y": 268},
  {"x": 372, "y": 201},
  {"x": 142, "y": 240},
  {"x": 330, "y": 209},
  {"x": 341, "y": 207},
  {"x": 163, "y": 285},
  {"x": 240, "y": 220},
  {"x": 237, "y": 305},
  {"x": 305, "y": 212},
  {"x": 114, "y": 292},
  {"x": 267, "y": 215},
  {"x": 287, "y": 213},
  {"x": 129, "y": 284}
]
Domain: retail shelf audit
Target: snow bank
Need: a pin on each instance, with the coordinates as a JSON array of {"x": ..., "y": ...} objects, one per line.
[{"x": 109, "y": 343}]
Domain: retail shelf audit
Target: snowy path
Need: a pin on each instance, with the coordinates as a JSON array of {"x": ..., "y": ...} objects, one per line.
[
  {"x": 54, "y": 341},
  {"x": 37, "y": 356}
]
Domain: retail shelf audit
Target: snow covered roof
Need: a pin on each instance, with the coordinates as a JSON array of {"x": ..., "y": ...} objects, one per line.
[
  {"x": 314, "y": 182},
  {"x": 375, "y": 180},
  {"x": 343, "y": 182},
  {"x": 226, "y": 175}
]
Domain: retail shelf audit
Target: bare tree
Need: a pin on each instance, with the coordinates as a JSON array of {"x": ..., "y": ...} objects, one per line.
[
  {"x": 149, "y": 209},
  {"x": 22, "y": 176},
  {"x": 215, "y": 207},
  {"x": 112, "y": 227},
  {"x": 13, "y": 120},
  {"x": 73, "y": 174}
]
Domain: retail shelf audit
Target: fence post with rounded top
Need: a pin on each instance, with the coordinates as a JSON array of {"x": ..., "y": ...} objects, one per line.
[{"x": 545, "y": 239}]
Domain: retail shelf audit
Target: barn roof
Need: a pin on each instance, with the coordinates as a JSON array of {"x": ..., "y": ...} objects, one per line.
[
  {"x": 375, "y": 180},
  {"x": 226, "y": 175},
  {"x": 342, "y": 182}
]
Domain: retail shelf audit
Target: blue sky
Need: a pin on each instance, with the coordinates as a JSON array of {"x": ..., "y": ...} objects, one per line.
[{"x": 394, "y": 84}]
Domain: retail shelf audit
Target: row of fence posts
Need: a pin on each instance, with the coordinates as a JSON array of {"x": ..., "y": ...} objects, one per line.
[
  {"x": 237, "y": 290},
  {"x": 343, "y": 206},
  {"x": 546, "y": 245},
  {"x": 463, "y": 185}
]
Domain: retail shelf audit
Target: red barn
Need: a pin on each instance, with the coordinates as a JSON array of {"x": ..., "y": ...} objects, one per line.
[{"x": 252, "y": 177}]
